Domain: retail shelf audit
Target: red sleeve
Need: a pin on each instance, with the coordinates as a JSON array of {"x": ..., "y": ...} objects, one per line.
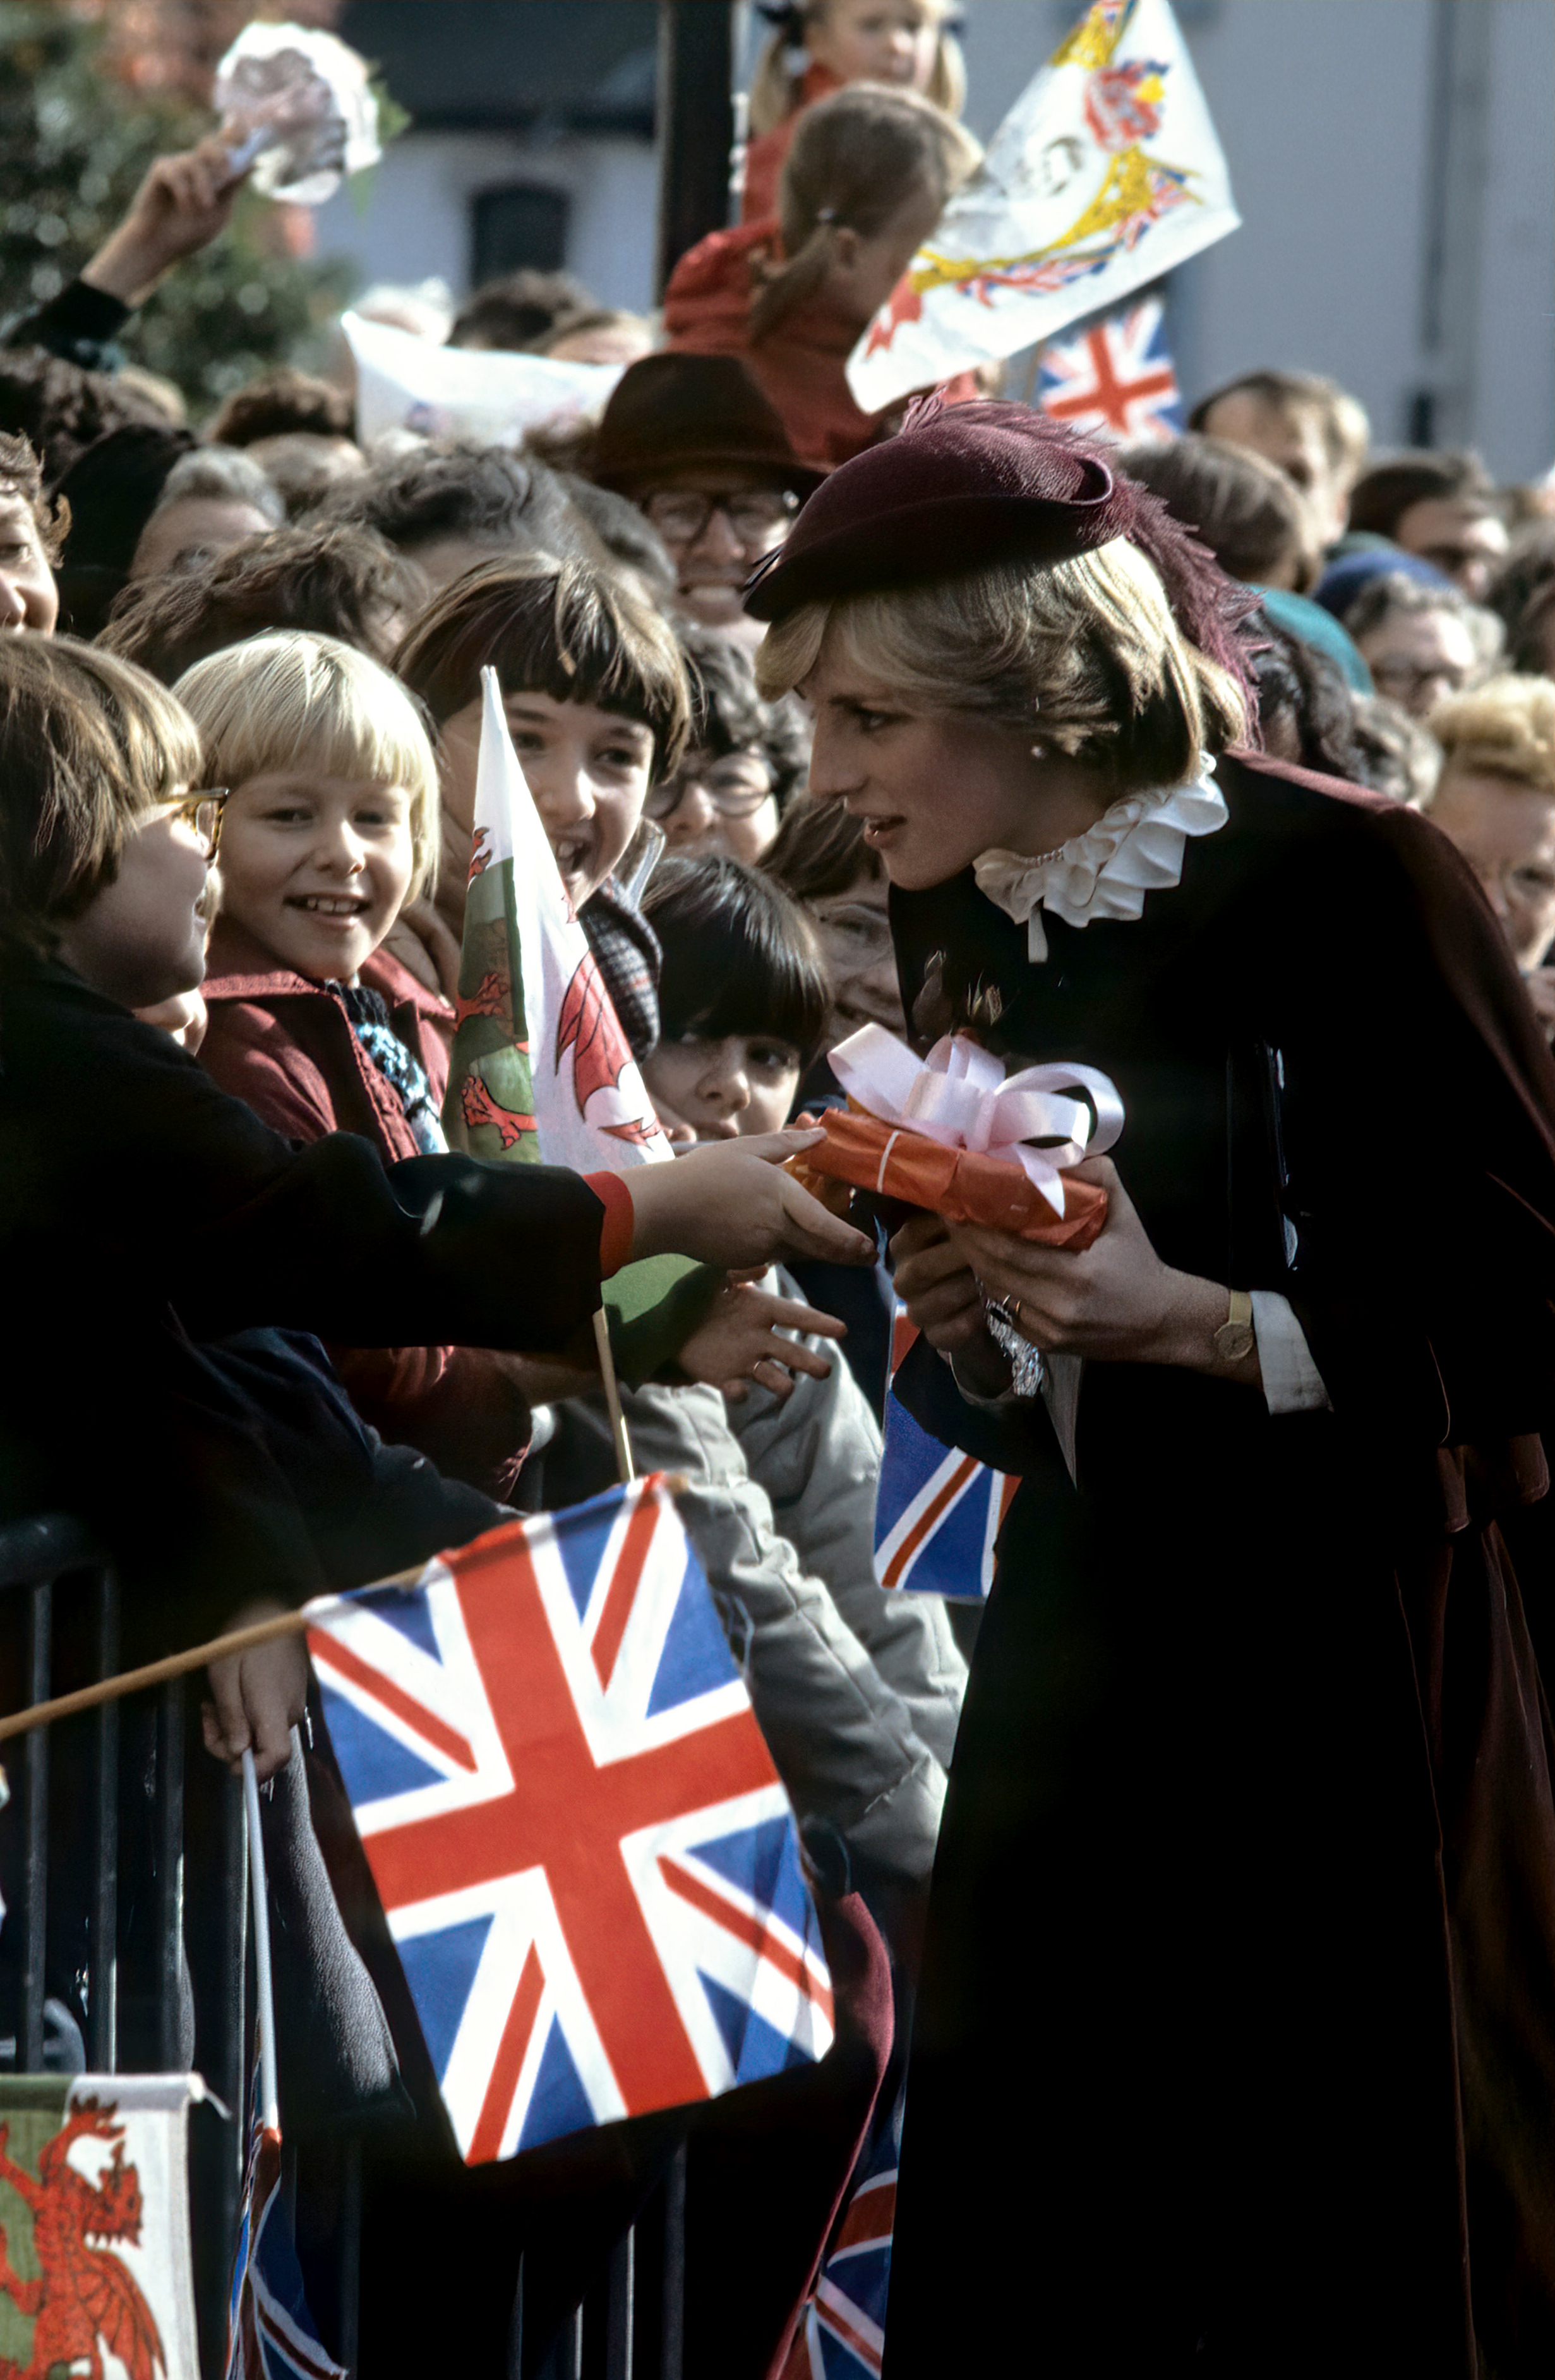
[
  {"x": 615, "y": 1237},
  {"x": 253, "y": 1057}
]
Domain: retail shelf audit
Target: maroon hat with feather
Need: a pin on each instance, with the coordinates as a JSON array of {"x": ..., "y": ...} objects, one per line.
[{"x": 962, "y": 487}]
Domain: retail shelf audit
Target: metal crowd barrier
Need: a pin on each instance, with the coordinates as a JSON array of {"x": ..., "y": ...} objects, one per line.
[{"x": 58, "y": 1590}]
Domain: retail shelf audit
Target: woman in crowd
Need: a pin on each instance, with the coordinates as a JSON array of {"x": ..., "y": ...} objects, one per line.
[
  {"x": 1495, "y": 799},
  {"x": 1422, "y": 643},
  {"x": 31, "y": 533},
  {"x": 866, "y": 181},
  {"x": 908, "y": 43},
  {"x": 745, "y": 760},
  {"x": 1241, "y": 1924}
]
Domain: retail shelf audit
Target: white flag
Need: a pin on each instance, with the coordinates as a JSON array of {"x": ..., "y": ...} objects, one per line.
[
  {"x": 403, "y": 383},
  {"x": 1104, "y": 175},
  {"x": 591, "y": 1109}
]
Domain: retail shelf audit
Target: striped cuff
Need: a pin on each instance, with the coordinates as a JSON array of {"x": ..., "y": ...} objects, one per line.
[{"x": 615, "y": 1233}]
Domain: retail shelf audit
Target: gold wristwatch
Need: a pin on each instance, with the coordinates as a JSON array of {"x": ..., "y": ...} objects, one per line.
[{"x": 1235, "y": 1339}]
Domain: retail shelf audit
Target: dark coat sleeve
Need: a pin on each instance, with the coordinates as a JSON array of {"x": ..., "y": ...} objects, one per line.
[
  {"x": 1417, "y": 1126},
  {"x": 121, "y": 1140}
]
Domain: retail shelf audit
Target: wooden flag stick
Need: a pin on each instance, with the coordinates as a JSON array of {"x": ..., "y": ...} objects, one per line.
[
  {"x": 176, "y": 1665},
  {"x": 625, "y": 1469},
  {"x": 238, "y": 1640}
]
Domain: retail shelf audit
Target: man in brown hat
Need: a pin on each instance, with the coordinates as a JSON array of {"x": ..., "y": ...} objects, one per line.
[{"x": 692, "y": 441}]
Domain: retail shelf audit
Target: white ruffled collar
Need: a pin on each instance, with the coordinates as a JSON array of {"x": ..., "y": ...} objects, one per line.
[{"x": 1134, "y": 848}]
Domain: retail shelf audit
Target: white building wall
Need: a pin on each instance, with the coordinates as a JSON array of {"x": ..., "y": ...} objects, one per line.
[{"x": 415, "y": 223}]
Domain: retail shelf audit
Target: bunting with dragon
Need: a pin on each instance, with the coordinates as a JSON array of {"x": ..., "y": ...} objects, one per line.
[
  {"x": 94, "y": 2229},
  {"x": 1104, "y": 175}
]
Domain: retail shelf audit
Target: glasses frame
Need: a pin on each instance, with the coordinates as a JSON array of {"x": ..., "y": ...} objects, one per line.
[
  {"x": 212, "y": 798},
  {"x": 728, "y": 805},
  {"x": 784, "y": 498}
]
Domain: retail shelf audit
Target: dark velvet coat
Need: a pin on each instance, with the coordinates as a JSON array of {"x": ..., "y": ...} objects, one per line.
[{"x": 1235, "y": 2052}]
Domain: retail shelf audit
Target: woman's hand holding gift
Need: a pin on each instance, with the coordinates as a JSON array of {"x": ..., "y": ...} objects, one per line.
[{"x": 1114, "y": 1302}]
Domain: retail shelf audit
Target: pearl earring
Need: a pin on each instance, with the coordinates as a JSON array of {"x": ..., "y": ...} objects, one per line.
[{"x": 1039, "y": 751}]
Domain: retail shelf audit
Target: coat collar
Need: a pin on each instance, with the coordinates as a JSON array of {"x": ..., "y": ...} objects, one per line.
[{"x": 241, "y": 968}]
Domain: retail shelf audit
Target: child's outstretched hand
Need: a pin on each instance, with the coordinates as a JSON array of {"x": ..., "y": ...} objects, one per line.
[
  {"x": 256, "y": 1698},
  {"x": 728, "y": 1204},
  {"x": 742, "y": 1340}
]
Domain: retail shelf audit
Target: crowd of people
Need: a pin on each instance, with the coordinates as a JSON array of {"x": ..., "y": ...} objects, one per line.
[{"x": 278, "y": 1339}]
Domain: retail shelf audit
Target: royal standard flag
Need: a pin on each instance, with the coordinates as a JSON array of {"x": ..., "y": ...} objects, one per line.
[
  {"x": 94, "y": 2227},
  {"x": 584, "y": 1854},
  {"x": 1104, "y": 175}
]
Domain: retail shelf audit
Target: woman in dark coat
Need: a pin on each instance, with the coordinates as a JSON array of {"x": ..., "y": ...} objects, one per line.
[{"x": 1235, "y": 2050}]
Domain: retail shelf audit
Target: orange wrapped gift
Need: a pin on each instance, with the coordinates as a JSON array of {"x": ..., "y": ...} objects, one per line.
[{"x": 954, "y": 1134}]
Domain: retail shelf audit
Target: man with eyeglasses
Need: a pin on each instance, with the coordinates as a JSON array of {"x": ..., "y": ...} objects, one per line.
[{"x": 692, "y": 441}]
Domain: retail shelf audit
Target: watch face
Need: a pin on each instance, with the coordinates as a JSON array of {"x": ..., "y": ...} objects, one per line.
[{"x": 1234, "y": 1342}]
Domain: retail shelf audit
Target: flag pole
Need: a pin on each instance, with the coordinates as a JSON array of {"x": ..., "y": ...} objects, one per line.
[
  {"x": 269, "y": 2102},
  {"x": 626, "y": 1470},
  {"x": 263, "y": 1632}
]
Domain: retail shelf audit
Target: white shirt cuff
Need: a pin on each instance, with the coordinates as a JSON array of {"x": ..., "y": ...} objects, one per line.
[{"x": 1291, "y": 1382}]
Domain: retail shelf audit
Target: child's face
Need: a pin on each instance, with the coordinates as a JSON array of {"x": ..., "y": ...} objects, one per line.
[
  {"x": 875, "y": 41},
  {"x": 316, "y": 868},
  {"x": 28, "y": 595},
  {"x": 142, "y": 940},
  {"x": 741, "y": 1084},
  {"x": 587, "y": 770}
]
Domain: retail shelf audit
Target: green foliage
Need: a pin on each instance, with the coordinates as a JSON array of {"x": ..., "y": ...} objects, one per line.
[{"x": 74, "y": 145}]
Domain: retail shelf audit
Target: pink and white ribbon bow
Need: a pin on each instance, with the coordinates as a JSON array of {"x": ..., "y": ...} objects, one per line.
[{"x": 961, "y": 1096}]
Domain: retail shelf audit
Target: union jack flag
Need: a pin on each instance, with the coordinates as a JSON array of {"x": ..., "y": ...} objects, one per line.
[
  {"x": 937, "y": 1511},
  {"x": 269, "y": 2330},
  {"x": 1115, "y": 376},
  {"x": 585, "y": 1858},
  {"x": 842, "y": 2335}
]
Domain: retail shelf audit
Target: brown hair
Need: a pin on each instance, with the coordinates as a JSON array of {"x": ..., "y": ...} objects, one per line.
[
  {"x": 279, "y": 402},
  {"x": 22, "y": 474},
  {"x": 87, "y": 745},
  {"x": 820, "y": 851},
  {"x": 857, "y": 159},
  {"x": 327, "y": 576},
  {"x": 563, "y": 628},
  {"x": 1241, "y": 507},
  {"x": 1347, "y": 432},
  {"x": 777, "y": 92}
]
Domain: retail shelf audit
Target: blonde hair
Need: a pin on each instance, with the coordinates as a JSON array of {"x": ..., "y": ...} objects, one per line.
[
  {"x": 777, "y": 92},
  {"x": 1504, "y": 728},
  {"x": 1083, "y": 654},
  {"x": 291, "y": 700},
  {"x": 857, "y": 159}
]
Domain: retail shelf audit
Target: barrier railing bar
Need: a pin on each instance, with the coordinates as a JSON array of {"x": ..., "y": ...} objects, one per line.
[
  {"x": 351, "y": 2252},
  {"x": 515, "y": 2325},
  {"x": 170, "y": 1875},
  {"x": 672, "y": 2322},
  {"x": 35, "y": 1894},
  {"x": 617, "y": 2307},
  {"x": 102, "y": 2008}
]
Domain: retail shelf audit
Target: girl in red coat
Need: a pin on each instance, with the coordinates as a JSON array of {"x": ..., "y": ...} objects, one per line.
[{"x": 868, "y": 177}]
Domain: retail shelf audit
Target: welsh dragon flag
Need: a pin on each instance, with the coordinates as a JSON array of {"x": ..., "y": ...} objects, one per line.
[
  {"x": 541, "y": 1069},
  {"x": 94, "y": 2227}
]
